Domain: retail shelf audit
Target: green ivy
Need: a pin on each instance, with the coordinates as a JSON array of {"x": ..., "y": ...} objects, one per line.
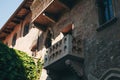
[
  {"x": 39, "y": 68},
  {"x": 17, "y": 65}
]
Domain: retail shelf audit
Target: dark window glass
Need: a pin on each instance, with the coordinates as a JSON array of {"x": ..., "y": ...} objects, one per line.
[
  {"x": 48, "y": 41},
  {"x": 14, "y": 39},
  {"x": 105, "y": 8},
  {"x": 26, "y": 29},
  {"x": 38, "y": 43}
]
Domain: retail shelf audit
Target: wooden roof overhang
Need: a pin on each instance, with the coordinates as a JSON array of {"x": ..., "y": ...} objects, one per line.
[
  {"x": 19, "y": 15},
  {"x": 53, "y": 12}
]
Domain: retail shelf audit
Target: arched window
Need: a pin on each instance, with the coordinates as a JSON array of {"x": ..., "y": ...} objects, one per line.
[
  {"x": 14, "y": 39},
  {"x": 26, "y": 29}
]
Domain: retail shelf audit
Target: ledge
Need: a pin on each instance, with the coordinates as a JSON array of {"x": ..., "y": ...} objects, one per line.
[{"x": 107, "y": 24}]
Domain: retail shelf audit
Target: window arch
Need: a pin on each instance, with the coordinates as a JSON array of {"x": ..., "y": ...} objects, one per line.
[{"x": 14, "y": 39}]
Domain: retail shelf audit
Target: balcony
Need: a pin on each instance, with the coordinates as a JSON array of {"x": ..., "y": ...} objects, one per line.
[{"x": 57, "y": 54}]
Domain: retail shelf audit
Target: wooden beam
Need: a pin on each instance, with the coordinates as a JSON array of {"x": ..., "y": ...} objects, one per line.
[
  {"x": 27, "y": 8},
  {"x": 62, "y": 4},
  {"x": 2, "y": 38},
  {"x": 49, "y": 18},
  {"x": 16, "y": 22},
  {"x": 40, "y": 26},
  {"x": 69, "y": 3},
  {"x": 10, "y": 29},
  {"x": 7, "y": 32},
  {"x": 20, "y": 18}
]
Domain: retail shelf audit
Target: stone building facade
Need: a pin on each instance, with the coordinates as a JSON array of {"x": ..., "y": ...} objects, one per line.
[{"x": 78, "y": 39}]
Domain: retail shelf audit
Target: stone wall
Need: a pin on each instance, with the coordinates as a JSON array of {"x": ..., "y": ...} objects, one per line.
[{"x": 100, "y": 48}]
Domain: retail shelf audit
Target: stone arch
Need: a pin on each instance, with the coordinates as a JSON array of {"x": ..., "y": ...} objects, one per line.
[{"x": 111, "y": 74}]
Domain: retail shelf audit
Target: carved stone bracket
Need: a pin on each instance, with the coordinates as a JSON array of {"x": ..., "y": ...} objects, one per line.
[{"x": 75, "y": 67}]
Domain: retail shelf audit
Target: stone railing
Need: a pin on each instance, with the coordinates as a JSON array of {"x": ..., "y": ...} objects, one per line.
[
  {"x": 38, "y": 7},
  {"x": 59, "y": 50}
]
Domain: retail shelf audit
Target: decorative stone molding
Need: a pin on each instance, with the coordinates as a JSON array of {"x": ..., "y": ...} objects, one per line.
[{"x": 111, "y": 74}]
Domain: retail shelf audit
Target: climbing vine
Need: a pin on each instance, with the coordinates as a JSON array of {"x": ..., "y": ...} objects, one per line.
[{"x": 17, "y": 65}]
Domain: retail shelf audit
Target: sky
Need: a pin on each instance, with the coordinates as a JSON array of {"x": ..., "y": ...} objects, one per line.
[{"x": 7, "y": 8}]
